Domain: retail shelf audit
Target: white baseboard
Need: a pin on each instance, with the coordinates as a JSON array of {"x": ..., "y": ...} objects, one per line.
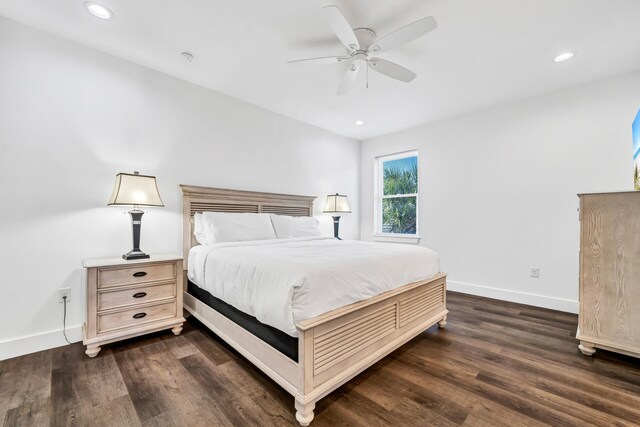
[
  {"x": 31, "y": 343},
  {"x": 536, "y": 300}
]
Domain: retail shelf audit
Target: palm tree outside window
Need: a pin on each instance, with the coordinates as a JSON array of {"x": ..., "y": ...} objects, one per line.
[{"x": 397, "y": 194}]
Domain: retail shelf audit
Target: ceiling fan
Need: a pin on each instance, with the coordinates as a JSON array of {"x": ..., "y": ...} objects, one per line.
[{"x": 362, "y": 44}]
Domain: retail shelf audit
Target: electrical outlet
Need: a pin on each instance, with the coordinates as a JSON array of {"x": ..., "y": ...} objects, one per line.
[
  {"x": 535, "y": 272},
  {"x": 64, "y": 292}
]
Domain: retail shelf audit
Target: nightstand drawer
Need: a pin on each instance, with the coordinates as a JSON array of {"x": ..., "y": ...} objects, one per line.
[
  {"x": 135, "y": 274},
  {"x": 135, "y": 316},
  {"x": 135, "y": 295}
]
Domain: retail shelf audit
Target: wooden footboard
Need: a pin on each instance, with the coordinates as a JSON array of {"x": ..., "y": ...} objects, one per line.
[{"x": 338, "y": 345}]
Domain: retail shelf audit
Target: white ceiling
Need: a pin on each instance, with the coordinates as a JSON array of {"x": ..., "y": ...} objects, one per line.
[{"x": 484, "y": 52}]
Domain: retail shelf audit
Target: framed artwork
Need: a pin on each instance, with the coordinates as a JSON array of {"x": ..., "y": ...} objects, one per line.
[{"x": 636, "y": 151}]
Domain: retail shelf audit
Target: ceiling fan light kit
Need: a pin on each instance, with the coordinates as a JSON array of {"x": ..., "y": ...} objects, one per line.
[{"x": 363, "y": 43}]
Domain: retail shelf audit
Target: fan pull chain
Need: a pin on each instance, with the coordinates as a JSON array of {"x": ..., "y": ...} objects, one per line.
[{"x": 367, "y": 65}]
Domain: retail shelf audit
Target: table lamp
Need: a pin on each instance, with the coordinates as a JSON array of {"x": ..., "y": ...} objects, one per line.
[
  {"x": 336, "y": 204},
  {"x": 137, "y": 190}
]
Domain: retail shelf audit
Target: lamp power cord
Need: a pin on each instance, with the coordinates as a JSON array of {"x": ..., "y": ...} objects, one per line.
[{"x": 64, "y": 320}]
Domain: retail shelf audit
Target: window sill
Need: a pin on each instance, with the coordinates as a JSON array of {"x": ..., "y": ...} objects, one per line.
[{"x": 396, "y": 238}]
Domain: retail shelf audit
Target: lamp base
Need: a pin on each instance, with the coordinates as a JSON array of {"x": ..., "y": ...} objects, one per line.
[
  {"x": 135, "y": 254},
  {"x": 136, "y": 223},
  {"x": 336, "y": 226}
]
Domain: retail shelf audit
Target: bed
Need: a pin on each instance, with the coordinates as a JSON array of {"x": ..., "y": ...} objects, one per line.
[{"x": 328, "y": 348}]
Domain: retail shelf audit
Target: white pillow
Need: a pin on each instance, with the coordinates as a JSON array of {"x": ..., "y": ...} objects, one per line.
[
  {"x": 199, "y": 229},
  {"x": 237, "y": 227},
  {"x": 295, "y": 226}
]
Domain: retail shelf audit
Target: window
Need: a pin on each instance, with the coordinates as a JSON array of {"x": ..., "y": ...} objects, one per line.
[{"x": 397, "y": 195}]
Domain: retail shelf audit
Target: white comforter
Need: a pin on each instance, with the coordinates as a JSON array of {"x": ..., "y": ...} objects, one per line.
[{"x": 284, "y": 281}]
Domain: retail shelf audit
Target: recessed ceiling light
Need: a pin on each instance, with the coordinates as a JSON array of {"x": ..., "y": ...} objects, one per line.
[
  {"x": 564, "y": 56},
  {"x": 98, "y": 10},
  {"x": 358, "y": 122}
]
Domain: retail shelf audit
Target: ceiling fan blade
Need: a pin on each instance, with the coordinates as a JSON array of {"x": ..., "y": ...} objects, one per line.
[
  {"x": 348, "y": 79},
  {"x": 404, "y": 35},
  {"x": 341, "y": 27},
  {"x": 319, "y": 61},
  {"x": 391, "y": 69}
]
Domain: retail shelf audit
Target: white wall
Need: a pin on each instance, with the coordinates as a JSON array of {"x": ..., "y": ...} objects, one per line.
[
  {"x": 498, "y": 187},
  {"x": 71, "y": 118}
]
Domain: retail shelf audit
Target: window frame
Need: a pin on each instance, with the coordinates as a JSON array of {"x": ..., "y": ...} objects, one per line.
[{"x": 379, "y": 196}]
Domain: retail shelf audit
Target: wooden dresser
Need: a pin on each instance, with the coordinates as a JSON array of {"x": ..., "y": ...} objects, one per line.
[
  {"x": 610, "y": 273},
  {"x": 130, "y": 298}
]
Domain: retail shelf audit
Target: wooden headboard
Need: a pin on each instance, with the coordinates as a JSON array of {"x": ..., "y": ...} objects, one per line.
[{"x": 205, "y": 199}]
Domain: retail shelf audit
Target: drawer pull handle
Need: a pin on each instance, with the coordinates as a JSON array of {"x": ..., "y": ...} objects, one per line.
[
  {"x": 140, "y": 295},
  {"x": 139, "y": 315},
  {"x": 140, "y": 274}
]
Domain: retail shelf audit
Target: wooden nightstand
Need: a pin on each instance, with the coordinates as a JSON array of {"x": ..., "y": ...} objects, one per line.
[{"x": 130, "y": 298}]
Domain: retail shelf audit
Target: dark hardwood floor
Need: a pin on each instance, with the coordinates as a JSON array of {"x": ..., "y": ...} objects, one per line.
[{"x": 496, "y": 364}]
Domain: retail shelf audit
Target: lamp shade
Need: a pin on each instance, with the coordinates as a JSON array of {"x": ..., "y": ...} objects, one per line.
[
  {"x": 135, "y": 189},
  {"x": 336, "y": 203}
]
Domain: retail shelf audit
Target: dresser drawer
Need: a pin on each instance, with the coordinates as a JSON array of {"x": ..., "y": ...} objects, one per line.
[
  {"x": 135, "y": 295},
  {"x": 135, "y": 274},
  {"x": 135, "y": 316}
]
